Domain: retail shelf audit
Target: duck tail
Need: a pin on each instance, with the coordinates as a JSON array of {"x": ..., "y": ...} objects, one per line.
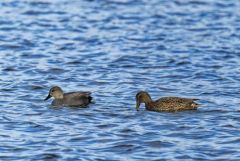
[
  {"x": 195, "y": 105},
  {"x": 90, "y": 99},
  {"x": 195, "y": 99}
]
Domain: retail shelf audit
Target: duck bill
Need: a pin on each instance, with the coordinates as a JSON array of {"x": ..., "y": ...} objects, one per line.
[
  {"x": 137, "y": 105},
  {"x": 49, "y": 96}
]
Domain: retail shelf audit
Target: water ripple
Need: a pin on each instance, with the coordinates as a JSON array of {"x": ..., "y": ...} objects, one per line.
[{"x": 115, "y": 48}]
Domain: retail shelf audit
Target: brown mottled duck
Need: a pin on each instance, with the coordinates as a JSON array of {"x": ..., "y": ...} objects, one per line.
[
  {"x": 68, "y": 99},
  {"x": 168, "y": 104}
]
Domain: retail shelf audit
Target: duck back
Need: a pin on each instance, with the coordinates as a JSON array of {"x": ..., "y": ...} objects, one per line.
[
  {"x": 173, "y": 104},
  {"x": 77, "y": 98}
]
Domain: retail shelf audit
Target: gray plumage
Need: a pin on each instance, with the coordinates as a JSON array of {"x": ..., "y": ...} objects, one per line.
[{"x": 68, "y": 99}]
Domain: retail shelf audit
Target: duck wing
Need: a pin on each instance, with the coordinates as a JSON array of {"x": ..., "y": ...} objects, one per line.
[
  {"x": 177, "y": 103},
  {"x": 77, "y": 94},
  {"x": 77, "y": 98}
]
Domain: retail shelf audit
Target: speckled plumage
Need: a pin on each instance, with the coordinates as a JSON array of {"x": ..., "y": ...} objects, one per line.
[
  {"x": 68, "y": 99},
  {"x": 168, "y": 104}
]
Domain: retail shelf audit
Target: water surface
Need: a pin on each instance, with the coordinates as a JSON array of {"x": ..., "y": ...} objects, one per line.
[{"x": 115, "y": 48}]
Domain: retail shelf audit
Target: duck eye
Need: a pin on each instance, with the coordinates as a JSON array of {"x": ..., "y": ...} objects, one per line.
[{"x": 53, "y": 90}]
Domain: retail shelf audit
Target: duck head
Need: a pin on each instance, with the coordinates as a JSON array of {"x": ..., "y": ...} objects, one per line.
[
  {"x": 142, "y": 97},
  {"x": 55, "y": 92}
]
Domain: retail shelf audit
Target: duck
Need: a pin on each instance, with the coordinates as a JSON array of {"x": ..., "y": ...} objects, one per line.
[
  {"x": 167, "y": 104},
  {"x": 68, "y": 99}
]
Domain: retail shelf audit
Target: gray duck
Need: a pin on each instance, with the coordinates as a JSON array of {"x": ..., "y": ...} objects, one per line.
[
  {"x": 68, "y": 99},
  {"x": 168, "y": 104}
]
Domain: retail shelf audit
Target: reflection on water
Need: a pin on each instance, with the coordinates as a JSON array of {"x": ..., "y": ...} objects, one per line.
[{"x": 115, "y": 48}]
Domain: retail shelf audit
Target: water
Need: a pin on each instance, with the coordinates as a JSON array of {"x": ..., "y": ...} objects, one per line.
[{"x": 115, "y": 48}]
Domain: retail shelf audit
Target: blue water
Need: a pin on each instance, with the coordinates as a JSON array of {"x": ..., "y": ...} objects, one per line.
[{"x": 114, "y": 48}]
